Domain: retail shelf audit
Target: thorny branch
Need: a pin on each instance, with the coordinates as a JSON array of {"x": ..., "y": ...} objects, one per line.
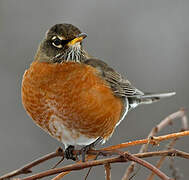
[{"x": 109, "y": 151}]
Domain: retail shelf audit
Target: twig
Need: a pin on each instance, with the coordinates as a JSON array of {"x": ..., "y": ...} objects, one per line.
[
  {"x": 61, "y": 175},
  {"x": 88, "y": 172},
  {"x": 172, "y": 143},
  {"x": 27, "y": 168},
  {"x": 150, "y": 167},
  {"x": 144, "y": 163},
  {"x": 107, "y": 171},
  {"x": 167, "y": 121},
  {"x": 161, "y": 160},
  {"x": 175, "y": 174},
  {"x": 61, "y": 160},
  {"x": 154, "y": 140},
  {"x": 172, "y": 152},
  {"x": 84, "y": 165},
  {"x": 90, "y": 168}
]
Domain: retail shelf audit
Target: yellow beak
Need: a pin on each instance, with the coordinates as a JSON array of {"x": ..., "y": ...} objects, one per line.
[{"x": 79, "y": 38}]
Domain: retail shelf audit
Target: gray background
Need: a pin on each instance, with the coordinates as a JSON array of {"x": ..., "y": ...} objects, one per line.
[{"x": 146, "y": 40}]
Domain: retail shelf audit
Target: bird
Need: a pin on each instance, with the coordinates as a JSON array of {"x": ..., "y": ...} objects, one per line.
[{"x": 76, "y": 98}]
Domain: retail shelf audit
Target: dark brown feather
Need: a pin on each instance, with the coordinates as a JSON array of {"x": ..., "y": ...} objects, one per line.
[{"x": 120, "y": 86}]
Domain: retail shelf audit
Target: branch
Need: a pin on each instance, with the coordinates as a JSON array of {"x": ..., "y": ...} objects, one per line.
[
  {"x": 149, "y": 166},
  {"x": 27, "y": 168},
  {"x": 60, "y": 176},
  {"x": 168, "y": 121},
  {"x": 107, "y": 171},
  {"x": 152, "y": 140},
  {"x": 131, "y": 143},
  {"x": 162, "y": 159},
  {"x": 92, "y": 153},
  {"x": 119, "y": 159},
  {"x": 165, "y": 122}
]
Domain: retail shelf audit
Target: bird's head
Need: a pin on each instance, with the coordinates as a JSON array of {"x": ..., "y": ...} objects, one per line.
[{"x": 63, "y": 42}]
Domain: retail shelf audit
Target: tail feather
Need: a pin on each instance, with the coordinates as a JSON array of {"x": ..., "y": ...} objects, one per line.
[
  {"x": 148, "y": 98},
  {"x": 157, "y": 95}
]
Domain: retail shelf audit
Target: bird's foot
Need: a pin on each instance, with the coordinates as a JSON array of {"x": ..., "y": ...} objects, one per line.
[
  {"x": 69, "y": 153},
  {"x": 85, "y": 149}
]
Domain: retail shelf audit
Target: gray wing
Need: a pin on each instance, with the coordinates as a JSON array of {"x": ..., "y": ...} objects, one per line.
[{"x": 120, "y": 86}]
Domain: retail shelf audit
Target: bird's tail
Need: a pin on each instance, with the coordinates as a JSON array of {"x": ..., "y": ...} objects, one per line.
[{"x": 148, "y": 98}]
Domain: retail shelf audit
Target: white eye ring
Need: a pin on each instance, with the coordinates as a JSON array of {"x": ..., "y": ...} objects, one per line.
[
  {"x": 53, "y": 43},
  {"x": 58, "y": 46}
]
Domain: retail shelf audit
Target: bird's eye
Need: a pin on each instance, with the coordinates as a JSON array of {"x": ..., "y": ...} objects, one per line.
[{"x": 57, "y": 42}]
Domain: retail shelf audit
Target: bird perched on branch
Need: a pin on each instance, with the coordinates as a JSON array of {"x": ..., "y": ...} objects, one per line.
[{"x": 77, "y": 99}]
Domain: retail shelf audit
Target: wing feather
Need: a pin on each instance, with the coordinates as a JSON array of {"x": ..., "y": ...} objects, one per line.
[{"x": 120, "y": 86}]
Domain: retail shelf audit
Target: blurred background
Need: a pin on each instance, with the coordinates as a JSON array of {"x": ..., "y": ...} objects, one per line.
[{"x": 145, "y": 40}]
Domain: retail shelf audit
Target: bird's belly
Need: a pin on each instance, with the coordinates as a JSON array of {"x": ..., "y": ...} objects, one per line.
[
  {"x": 67, "y": 136},
  {"x": 70, "y": 101}
]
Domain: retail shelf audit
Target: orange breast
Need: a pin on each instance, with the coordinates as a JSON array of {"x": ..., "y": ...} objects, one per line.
[{"x": 75, "y": 94}]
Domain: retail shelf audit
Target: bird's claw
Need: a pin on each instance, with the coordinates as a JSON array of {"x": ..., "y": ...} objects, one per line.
[
  {"x": 69, "y": 153},
  {"x": 84, "y": 151}
]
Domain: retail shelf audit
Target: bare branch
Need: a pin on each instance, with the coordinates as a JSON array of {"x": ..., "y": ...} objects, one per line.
[
  {"x": 175, "y": 174},
  {"x": 152, "y": 140},
  {"x": 27, "y": 168},
  {"x": 165, "y": 122},
  {"x": 149, "y": 166},
  {"x": 161, "y": 160},
  {"x": 104, "y": 151},
  {"x": 84, "y": 165},
  {"x": 61, "y": 175},
  {"x": 107, "y": 171}
]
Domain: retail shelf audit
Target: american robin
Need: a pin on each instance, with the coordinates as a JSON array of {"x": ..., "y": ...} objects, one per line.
[{"x": 77, "y": 99}]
